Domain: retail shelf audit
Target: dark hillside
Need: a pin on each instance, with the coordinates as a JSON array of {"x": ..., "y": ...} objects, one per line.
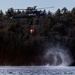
[{"x": 20, "y": 47}]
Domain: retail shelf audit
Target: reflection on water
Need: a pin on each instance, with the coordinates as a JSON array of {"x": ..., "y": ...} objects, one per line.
[{"x": 35, "y": 70}]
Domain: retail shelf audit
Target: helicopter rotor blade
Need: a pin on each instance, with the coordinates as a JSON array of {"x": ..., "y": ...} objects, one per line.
[
  {"x": 20, "y": 9},
  {"x": 46, "y": 7},
  {"x": 37, "y": 8}
]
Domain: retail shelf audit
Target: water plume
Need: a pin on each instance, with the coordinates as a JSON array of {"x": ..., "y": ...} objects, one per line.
[{"x": 57, "y": 56}]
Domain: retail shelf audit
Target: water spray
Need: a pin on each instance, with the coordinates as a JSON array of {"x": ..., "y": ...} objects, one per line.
[{"x": 57, "y": 56}]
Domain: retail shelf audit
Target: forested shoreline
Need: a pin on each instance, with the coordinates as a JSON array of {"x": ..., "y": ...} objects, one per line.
[{"x": 19, "y": 47}]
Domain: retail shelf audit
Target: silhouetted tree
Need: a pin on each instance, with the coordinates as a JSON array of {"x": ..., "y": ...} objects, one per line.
[{"x": 1, "y": 13}]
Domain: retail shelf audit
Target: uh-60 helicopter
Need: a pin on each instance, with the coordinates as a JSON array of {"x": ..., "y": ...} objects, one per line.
[{"x": 31, "y": 12}]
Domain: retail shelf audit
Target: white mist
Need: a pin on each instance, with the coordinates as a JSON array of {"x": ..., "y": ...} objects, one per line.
[{"x": 57, "y": 56}]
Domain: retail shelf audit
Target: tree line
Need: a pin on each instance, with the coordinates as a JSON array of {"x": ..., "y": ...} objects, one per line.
[{"x": 19, "y": 47}]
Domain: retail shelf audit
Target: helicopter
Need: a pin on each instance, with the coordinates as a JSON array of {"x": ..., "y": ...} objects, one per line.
[{"x": 29, "y": 13}]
